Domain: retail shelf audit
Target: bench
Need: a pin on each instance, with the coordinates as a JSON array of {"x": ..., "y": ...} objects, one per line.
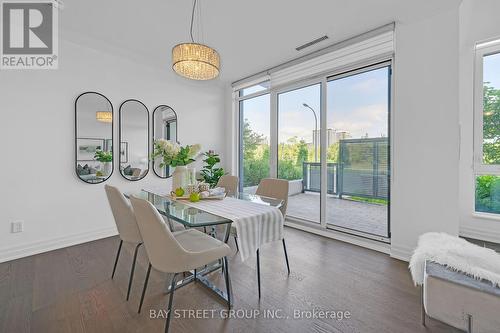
[{"x": 459, "y": 300}]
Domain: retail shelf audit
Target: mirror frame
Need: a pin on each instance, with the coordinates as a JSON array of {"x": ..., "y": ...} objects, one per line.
[
  {"x": 120, "y": 137},
  {"x": 76, "y": 138},
  {"x": 153, "y": 136}
]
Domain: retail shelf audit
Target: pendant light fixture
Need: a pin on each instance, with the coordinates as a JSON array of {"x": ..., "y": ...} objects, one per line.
[
  {"x": 104, "y": 116},
  {"x": 194, "y": 60}
]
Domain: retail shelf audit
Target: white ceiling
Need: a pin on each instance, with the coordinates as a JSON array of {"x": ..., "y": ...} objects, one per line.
[{"x": 250, "y": 35}]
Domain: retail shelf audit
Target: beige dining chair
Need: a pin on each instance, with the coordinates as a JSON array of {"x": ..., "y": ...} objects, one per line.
[
  {"x": 230, "y": 183},
  {"x": 272, "y": 188},
  {"x": 126, "y": 225},
  {"x": 176, "y": 252}
]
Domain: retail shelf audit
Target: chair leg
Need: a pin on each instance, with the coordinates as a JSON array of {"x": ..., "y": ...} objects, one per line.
[
  {"x": 144, "y": 288},
  {"x": 132, "y": 270},
  {"x": 258, "y": 271},
  {"x": 170, "y": 300},
  {"x": 116, "y": 260},
  {"x": 286, "y": 256},
  {"x": 228, "y": 283},
  {"x": 236, "y": 242}
]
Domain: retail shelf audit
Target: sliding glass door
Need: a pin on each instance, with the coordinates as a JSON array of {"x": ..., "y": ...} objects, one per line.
[
  {"x": 330, "y": 138},
  {"x": 299, "y": 121},
  {"x": 358, "y": 105}
]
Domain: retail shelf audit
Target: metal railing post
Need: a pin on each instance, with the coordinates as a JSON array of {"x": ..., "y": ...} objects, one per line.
[
  {"x": 375, "y": 170},
  {"x": 304, "y": 176}
]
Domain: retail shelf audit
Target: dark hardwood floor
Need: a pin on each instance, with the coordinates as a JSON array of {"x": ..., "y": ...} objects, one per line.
[{"x": 70, "y": 290}]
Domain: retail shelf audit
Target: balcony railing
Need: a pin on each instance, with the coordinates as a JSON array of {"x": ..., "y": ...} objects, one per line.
[{"x": 363, "y": 170}]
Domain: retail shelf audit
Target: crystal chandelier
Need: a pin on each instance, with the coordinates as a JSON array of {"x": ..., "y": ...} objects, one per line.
[{"x": 194, "y": 60}]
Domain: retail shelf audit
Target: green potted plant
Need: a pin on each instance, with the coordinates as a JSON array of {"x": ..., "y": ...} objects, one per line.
[
  {"x": 210, "y": 173},
  {"x": 106, "y": 158}
]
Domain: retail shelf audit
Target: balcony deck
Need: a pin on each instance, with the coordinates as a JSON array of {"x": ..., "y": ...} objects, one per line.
[{"x": 361, "y": 216}]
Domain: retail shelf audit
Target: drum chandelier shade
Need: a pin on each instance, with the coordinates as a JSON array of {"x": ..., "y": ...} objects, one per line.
[
  {"x": 195, "y": 61},
  {"x": 104, "y": 116}
]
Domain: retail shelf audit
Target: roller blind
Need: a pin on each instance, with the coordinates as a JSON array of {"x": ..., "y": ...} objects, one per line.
[{"x": 374, "y": 45}]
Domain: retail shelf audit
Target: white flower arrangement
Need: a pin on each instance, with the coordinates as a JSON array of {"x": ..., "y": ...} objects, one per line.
[{"x": 173, "y": 154}]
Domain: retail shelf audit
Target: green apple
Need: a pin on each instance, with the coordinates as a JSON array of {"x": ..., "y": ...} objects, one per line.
[
  {"x": 194, "y": 197},
  {"x": 179, "y": 192}
]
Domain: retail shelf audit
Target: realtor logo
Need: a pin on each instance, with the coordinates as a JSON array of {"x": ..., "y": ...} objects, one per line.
[{"x": 29, "y": 35}]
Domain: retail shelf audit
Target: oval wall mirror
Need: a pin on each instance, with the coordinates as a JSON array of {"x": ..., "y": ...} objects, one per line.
[
  {"x": 164, "y": 127},
  {"x": 134, "y": 140},
  {"x": 93, "y": 137}
]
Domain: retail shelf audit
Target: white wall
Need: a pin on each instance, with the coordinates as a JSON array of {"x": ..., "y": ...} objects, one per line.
[
  {"x": 37, "y": 110},
  {"x": 478, "y": 22},
  {"x": 425, "y": 132}
]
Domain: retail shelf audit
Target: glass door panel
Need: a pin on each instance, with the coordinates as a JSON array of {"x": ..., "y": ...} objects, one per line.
[
  {"x": 254, "y": 141},
  {"x": 299, "y": 121},
  {"x": 358, "y": 151}
]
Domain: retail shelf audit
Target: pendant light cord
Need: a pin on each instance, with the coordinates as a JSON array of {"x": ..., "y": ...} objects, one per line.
[{"x": 192, "y": 20}]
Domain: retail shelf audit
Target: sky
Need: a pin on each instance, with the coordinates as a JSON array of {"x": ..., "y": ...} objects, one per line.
[
  {"x": 358, "y": 104},
  {"x": 491, "y": 70}
]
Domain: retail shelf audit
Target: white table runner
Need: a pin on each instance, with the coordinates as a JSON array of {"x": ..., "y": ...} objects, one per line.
[{"x": 256, "y": 224}]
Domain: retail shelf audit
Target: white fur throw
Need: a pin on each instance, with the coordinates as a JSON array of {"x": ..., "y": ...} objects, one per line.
[{"x": 457, "y": 254}]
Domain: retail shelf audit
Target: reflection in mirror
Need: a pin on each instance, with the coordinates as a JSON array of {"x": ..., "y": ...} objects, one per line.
[
  {"x": 94, "y": 137},
  {"x": 164, "y": 127},
  {"x": 134, "y": 140}
]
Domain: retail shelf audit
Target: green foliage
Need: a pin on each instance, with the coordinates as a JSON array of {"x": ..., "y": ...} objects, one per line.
[
  {"x": 210, "y": 173},
  {"x": 255, "y": 156},
  {"x": 182, "y": 158},
  {"x": 291, "y": 156},
  {"x": 491, "y": 125},
  {"x": 370, "y": 200},
  {"x": 103, "y": 156},
  {"x": 488, "y": 194},
  {"x": 256, "y": 168},
  {"x": 332, "y": 154}
]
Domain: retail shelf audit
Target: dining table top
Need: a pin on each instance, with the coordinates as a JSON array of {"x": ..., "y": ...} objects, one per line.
[{"x": 191, "y": 217}]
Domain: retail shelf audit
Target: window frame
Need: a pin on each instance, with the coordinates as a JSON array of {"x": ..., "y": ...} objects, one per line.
[{"x": 482, "y": 50}]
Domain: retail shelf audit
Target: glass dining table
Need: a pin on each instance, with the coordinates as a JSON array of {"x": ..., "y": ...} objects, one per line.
[{"x": 190, "y": 217}]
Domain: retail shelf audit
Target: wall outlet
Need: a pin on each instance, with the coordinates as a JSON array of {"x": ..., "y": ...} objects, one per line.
[{"x": 17, "y": 226}]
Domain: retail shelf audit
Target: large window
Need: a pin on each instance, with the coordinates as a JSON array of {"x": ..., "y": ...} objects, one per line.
[
  {"x": 487, "y": 129},
  {"x": 254, "y": 141}
]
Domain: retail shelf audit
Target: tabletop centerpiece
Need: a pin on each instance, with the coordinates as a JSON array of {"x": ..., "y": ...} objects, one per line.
[{"x": 174, "y": 155}]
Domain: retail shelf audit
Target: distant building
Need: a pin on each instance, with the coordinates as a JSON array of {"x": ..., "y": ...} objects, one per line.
[{"x": 332, "y": 136}]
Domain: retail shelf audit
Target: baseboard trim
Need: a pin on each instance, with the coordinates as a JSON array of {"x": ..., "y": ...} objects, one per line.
[
  {"x": 481, "y": 234},
  {"x": 401, "y": 252},
  {"x": 347, "y": 238},
  {"x": 25, "y": 250}
]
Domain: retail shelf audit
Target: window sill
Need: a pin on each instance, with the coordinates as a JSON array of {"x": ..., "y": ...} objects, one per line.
[{"x": 487, "y": 216}]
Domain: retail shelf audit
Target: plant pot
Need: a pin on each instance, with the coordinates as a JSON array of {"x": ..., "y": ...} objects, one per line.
[
  {"x": 106, "y": 166},
  {"x": 179, "y": 177}
]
